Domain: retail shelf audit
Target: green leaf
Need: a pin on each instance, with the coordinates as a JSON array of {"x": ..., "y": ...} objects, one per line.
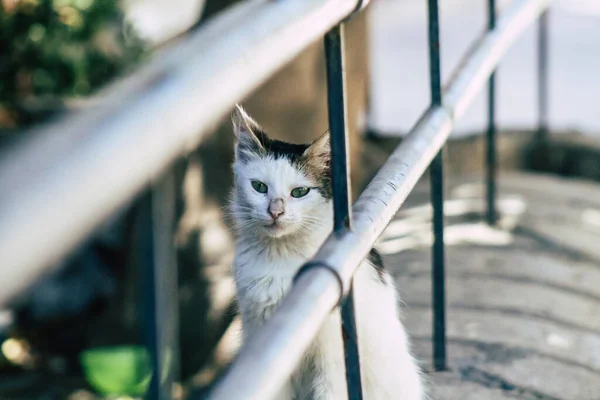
[{"x": 122, "y": 370}]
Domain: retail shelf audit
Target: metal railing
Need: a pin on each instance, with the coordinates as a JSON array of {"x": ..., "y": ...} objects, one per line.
[
  {"x": 63, "y": 183},
  {"x": 270, "y": 356}
]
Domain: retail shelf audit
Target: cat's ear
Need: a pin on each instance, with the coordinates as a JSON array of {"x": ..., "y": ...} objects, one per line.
[
  {"x": 320, "y": 149},
  {"x": 249, "y": 135}
]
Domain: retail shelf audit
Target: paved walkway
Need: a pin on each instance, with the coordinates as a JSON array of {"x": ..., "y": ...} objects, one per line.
[{"x": 523, "y": 299}]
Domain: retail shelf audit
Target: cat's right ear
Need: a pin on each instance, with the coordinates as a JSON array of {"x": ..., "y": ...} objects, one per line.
[{"x": 248, "y": 134}]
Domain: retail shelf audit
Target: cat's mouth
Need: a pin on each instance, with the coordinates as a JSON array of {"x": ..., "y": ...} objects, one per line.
[{"x": 274, "y": 227}]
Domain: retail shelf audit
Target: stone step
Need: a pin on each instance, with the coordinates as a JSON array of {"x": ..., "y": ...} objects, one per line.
[
  {"x": 488, "y": 371},
  {"x": 527, "y": 262},
  {"x": 542, "y": 336},
  {"x": 523, "y": 297},
  {"x": 505, "y": 296},
  {"x": 565, "y": 212}
]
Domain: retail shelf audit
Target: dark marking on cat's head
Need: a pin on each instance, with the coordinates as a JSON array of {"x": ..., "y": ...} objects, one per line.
[
  {"x": 314, "y": 159},
  {"x": 317, "y": 158},
  {"x": 376, "y": 261}
]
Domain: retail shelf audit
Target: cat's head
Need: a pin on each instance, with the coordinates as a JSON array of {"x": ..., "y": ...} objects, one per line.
[{"x": 281, "y": 189}]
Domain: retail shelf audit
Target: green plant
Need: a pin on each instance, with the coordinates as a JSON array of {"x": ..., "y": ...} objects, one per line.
[
  {"x": 53, "y": 49},
  {"x": 121, "y": 370}
]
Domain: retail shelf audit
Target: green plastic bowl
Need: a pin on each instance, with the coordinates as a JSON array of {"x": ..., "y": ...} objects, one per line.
[{"x": 122, "y": 370}]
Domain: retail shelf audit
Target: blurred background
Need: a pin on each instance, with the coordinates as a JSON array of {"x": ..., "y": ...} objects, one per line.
[{"x": 57, "y": 57}]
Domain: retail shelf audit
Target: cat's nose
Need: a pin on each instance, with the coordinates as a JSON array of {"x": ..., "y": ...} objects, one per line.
[
  {"x": 275, "y": 214},
  {"x": 276, "y": 208}
]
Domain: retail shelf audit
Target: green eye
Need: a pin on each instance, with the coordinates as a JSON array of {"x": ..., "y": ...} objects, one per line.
[
  {"x": 259, "y": 187},
  {"x": 300, "y": 192}
]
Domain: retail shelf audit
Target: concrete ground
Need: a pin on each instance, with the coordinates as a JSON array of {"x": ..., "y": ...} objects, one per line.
[{"x": 523, "y": 299}]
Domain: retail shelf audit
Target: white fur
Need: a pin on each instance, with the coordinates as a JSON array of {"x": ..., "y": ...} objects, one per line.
[
  {"x": 265, "y": 264},
  {"x": 281, "y": 178}
]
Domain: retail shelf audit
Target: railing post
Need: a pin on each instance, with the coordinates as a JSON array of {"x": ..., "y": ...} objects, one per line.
[
  {"x": 491, "y": 132},
  {"x": 338, "y": 125},
  {"x": 158, "y": 270},
  {"x": 437, "y": 199},
  {"x": 542, "y": 131}
]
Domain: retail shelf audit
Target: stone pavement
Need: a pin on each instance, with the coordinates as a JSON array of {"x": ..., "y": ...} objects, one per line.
[{"x": 523, "y": 315}]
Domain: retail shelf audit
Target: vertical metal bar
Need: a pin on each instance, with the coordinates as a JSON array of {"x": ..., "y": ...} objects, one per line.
[
  {"x": 160, "y": 290},
  {"x": 491, "y": 132},
  {"x": 437, "y": 199},
  {"x": 543, "y": 127},
  {"x": 338, "y": 125}
]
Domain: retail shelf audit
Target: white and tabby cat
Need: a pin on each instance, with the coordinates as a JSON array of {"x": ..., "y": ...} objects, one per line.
[{"x": 283, "y": 212}]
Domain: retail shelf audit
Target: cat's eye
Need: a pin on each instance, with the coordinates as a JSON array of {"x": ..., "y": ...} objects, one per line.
[
  {"x": 259, "y": 187},
  {"x": 300, "y": 192}
]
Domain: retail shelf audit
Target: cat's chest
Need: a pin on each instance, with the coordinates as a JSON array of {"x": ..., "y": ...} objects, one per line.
[{"x": 263, "y": 281}]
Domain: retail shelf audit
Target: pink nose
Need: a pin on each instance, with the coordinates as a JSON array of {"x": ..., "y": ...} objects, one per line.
[
  {"x": 275, "y": 213},
  {"x": 276, "y": 208}
]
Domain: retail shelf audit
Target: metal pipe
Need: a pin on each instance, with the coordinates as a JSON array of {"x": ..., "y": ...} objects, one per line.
[
  {"x": 476, "y": 71},
  {"x": 159, "y": 274},
  {"x": 269, "y": 357},
  {"x": 261, "y": 369},
  {"x": 340, "y": 167},
  {"x": 433, "y": 38},
  {"x": 58, "y": 187},
  {"x": 351, "y": 351},
  {"x": 338, "y": 126},
  {"x": 542, "y": 133},
  {"x": 491, "y": 132},
  {"x": 438, "y": 274},
  {"x": 437, "y": 199}
]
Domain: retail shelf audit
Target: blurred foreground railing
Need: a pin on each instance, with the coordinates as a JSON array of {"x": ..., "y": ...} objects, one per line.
[
  {"x": 57, "y": 188},
  {"x": 61, "y": 185}
]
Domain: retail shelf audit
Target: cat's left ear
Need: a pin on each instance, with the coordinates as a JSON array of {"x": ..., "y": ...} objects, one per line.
[{"x": 319, "y": 149}]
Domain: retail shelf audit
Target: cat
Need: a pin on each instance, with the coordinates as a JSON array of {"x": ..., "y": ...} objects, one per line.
[{"x": 281, "y": 206}]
